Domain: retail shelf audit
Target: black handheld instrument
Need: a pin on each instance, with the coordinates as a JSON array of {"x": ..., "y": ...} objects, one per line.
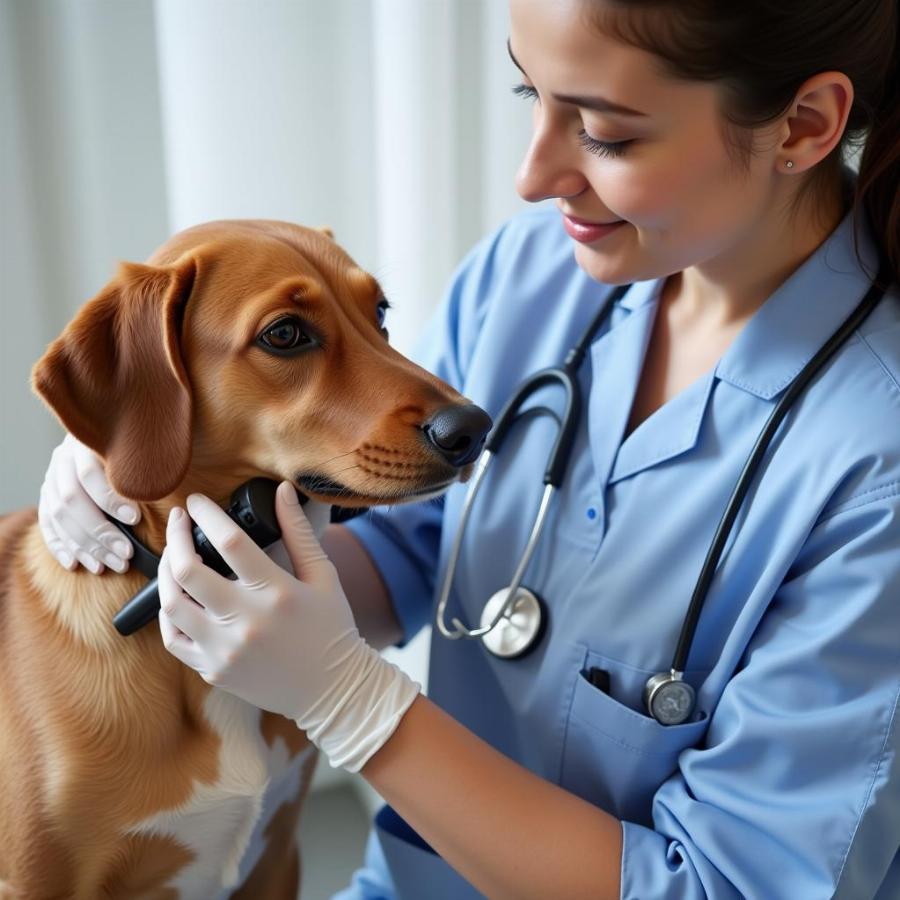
[{"x": 252, "y": 507}]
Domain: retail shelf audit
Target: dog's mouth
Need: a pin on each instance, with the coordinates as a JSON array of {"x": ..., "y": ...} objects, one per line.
[{"x": 325, "y": 489}]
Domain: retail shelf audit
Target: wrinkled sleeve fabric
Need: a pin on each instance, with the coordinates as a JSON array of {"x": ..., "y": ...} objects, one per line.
[
  {"x": 404, "y": 541},
  {"x": 796, "y": 791}
]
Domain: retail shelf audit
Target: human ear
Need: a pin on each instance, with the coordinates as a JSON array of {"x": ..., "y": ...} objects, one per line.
[{"x": 815, "y": 122}]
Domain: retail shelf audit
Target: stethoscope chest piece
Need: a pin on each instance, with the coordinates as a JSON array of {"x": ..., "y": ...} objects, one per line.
[
  {"x": 519, "y": 630},
  {"x": 514, "y": 619},
  {"x": 669, "y": 699}
]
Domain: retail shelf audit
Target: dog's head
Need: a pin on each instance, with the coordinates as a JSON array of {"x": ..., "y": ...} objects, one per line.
[{"x": 251, "y": 348}]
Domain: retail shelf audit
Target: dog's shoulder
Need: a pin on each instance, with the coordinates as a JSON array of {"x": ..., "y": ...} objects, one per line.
[{"x": 13, "y": 527}]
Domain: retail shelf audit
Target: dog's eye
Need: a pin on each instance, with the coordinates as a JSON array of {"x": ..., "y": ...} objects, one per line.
[
  {"x": 285, "y": 335},
  {"x": 381, "y": 313}
]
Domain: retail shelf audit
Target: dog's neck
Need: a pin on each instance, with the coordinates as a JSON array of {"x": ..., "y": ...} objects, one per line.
[
  {"x": 151, "y": 528},
  {"x": 83, "y": 604}
]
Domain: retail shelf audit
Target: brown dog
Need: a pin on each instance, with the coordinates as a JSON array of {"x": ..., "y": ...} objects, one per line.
[{"x": 241, "y": 349}]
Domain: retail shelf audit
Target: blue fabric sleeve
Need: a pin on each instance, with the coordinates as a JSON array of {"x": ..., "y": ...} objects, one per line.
[
  {"x": 404, "y": 541},
  {"x": 796, "y": 791}
]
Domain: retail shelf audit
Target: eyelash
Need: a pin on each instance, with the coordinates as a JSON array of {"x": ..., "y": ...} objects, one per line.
[
  {"x": 525, "y": 90},
  {"x": 602, "y": 148},
  {"x": 610, "y": 149}
]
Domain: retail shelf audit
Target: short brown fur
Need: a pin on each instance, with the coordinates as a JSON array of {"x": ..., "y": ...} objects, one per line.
[{"x": 161, "y": 375}]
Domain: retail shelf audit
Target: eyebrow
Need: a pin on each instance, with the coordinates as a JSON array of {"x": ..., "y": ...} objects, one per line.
[
  {"x": 365, "y": 281},
  {"x": 301, "y": 290},
  {"x": 599, "y": 104}
]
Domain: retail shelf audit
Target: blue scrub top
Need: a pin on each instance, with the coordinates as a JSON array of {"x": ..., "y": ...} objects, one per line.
[{"x": 785, "y": 783}]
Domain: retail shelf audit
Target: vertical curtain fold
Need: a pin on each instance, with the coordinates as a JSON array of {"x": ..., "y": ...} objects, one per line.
[{"x": 389, "y": 120}]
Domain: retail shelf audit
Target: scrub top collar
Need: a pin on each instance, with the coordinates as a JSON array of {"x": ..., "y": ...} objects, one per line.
[
  {"x": 801, "y": 314},
  {"x": 640, "y": 294},
  {"x": 768, "y": 353},
  {"x": 797, "y": 319}
]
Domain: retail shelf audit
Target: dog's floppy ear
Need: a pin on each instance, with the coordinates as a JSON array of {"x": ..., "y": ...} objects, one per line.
[{"x": 116, "y": 380}]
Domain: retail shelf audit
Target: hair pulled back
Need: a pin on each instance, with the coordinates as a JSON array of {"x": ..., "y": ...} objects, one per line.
[{"x": 762, "y": 52}]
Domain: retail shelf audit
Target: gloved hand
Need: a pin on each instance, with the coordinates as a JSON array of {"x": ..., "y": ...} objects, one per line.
[
  {"x": 74, "y": 496},
  {"x": 283, "y": 644}
]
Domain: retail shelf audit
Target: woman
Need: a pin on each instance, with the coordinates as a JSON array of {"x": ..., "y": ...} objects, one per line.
[{"x": 693, "y": 150}]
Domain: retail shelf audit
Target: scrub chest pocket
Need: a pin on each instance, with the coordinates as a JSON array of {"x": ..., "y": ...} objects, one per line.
[{"x": 615, "y": 757}]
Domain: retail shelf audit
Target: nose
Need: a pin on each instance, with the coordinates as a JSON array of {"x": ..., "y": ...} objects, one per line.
[
  {"x": 548, "y": 169},
  {"x": 458, "y": 432}
]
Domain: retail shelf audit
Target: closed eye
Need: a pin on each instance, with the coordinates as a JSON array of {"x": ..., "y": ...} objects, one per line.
[
  {"x": 602, "y": 148},
  {"x": 592, "y": 145},
  {"x": 526, "y": 91}
]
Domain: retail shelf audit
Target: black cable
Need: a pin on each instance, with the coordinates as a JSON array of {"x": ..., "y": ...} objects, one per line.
[{"x": 828, "y": 349}]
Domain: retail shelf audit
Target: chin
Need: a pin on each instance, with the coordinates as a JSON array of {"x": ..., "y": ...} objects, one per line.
[
  {"x": 614, "y": 269},
  {"x": 603, "y": 268}
]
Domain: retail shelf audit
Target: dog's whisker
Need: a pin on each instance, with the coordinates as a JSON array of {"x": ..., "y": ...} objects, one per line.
[
  {"x": 348, "y": 469},
  {"x": 339, "y": 456}
]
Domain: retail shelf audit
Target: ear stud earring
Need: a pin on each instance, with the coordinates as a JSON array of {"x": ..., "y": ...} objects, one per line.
[{"x": 789, "y": 164}]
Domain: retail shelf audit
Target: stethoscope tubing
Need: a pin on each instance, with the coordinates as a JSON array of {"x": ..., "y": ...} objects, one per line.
[
  {"x": 558, "y": 461},
  {"x": 752, "y": 465},
  {"x": 557, "y": 465},
  {"x": 566, "y": 377}
]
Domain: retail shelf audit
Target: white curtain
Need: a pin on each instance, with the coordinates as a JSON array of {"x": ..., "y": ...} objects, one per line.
[
  {"x": 81, "y": 185},
  {"x": 126, "y": 120}
]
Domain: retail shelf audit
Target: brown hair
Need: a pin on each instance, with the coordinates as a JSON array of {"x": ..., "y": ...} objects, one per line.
[{"x": 761, "y": 52}]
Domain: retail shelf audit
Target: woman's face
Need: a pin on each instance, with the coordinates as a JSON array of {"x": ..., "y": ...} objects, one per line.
[{"x": 662, "y": 170}]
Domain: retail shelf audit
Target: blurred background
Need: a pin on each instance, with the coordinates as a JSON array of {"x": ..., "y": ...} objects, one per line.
[{"x": 124, "y": 121}]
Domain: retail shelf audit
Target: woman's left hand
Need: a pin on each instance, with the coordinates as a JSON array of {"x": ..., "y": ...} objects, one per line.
[{"x": 282, "y": 643}]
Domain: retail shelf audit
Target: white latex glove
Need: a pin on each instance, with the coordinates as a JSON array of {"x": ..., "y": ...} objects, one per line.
[
  {"x": 74, "y": 495},
  {"x": 319, "y": 517},
  {"x": 283, "y": 644}
]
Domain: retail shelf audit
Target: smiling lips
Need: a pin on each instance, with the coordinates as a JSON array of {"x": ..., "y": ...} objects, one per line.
[{"x": 588, "y": 232}]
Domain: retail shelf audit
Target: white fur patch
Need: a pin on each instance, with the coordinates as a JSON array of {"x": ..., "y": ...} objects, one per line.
[{"x": 223, "y": 823}]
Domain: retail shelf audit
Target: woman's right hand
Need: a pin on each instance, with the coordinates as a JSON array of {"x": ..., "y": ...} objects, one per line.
[{"x": 74, "y": 495}]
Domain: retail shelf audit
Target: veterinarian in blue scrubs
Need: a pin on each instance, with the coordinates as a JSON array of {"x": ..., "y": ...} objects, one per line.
[{"x": 784, "y": 781}]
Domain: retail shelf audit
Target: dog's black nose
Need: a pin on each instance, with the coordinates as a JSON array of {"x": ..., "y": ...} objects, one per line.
[{"x": 458, "y": 432}]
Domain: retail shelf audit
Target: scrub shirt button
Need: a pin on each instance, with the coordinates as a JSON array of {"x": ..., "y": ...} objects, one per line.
[{"x": 591, "y": 513}]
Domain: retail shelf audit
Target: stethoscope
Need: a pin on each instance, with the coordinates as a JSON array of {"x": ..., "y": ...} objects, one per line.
[{"x": 514, "y": 618}]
